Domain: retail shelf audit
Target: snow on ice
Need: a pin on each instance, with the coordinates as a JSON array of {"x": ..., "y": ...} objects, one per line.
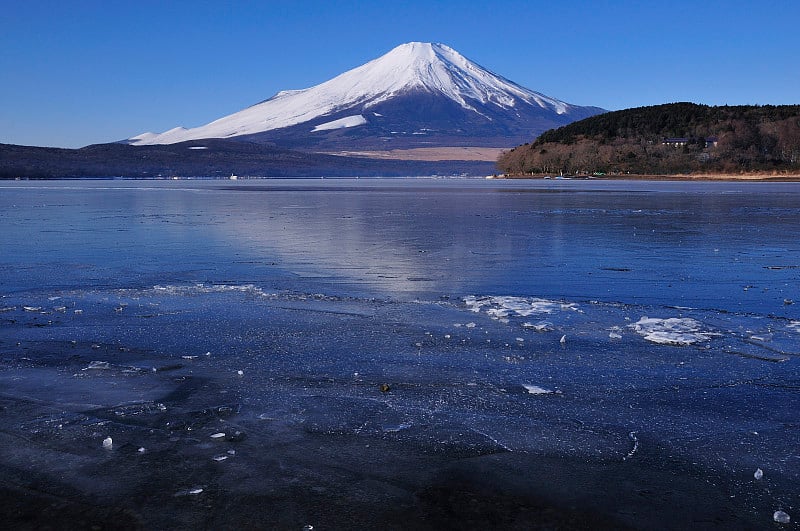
[{"x": 672, "y": 331}]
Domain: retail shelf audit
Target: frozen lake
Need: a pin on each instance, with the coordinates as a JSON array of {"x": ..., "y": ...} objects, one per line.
[{"x": 399, "y": 353}]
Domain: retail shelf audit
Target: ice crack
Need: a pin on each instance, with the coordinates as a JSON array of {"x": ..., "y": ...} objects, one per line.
[{"x": 632, "y": 437}]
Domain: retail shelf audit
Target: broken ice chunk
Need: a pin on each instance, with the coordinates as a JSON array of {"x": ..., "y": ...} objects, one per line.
[
  {"x": 758, "y": 474},
  {"x": 108, "y": 443},
  {"x": 781, "y": 517}
]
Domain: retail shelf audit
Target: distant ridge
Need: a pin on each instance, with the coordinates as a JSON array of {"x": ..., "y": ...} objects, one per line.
[
  {"x": 417, "y": 95},
  {"x": 667, "y": 139},
  {"x": 216, "y": 159}
]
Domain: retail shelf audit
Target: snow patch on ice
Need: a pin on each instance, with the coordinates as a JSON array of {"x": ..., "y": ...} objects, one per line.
[
  {"x": 672, "y": 331},
  {"x": 200, "y": 288},
  {"x": 536, "y": 390},
  {"x": 97, "y": 365},
  {"x": 502, "y": 307},
  {"x": 541, "y": 326}
]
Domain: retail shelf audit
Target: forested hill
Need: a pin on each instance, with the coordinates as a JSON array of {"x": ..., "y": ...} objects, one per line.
[{"x": 667, "y": 139}]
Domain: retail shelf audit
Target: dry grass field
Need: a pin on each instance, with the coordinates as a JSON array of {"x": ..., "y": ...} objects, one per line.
[{"x": 428, "y": 154}]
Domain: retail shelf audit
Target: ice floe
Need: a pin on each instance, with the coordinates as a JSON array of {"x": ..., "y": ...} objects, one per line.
[{"x": 672, "y": 331}]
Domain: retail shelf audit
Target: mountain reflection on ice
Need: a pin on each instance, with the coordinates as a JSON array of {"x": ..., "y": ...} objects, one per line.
[{"x": 394, "y": 355}]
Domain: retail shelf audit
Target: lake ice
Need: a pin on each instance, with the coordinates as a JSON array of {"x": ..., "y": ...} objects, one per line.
[{"x": 359, "y": 352}]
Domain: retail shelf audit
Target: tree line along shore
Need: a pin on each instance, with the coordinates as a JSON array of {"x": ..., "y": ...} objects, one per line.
[{"x": 677, "y": 140}]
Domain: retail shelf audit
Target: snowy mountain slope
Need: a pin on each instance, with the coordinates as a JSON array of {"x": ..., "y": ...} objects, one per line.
[{"x": 415, "y": 90}]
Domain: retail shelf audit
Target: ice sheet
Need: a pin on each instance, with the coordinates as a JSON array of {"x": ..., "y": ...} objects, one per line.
[{"x": 416, "y": 359}]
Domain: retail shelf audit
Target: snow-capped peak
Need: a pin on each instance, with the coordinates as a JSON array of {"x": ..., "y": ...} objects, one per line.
[
  {"x": 434, "y": 68},
  {"x": 439, "y": 68}
]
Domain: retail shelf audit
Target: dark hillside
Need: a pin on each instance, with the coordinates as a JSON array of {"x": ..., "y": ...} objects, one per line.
[
  {"x": 667, "y": 139},
  {"x": 208, "y": 158}
]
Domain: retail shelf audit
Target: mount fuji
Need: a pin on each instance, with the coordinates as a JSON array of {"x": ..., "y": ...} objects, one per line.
[{"x": 417, "y": 95}]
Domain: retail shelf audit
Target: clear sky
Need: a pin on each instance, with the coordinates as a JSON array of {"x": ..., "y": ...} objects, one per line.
[{"x": 80, "y": 72}]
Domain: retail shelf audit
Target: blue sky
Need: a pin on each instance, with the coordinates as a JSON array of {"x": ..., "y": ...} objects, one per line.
[{"x": 82, "y": 72}]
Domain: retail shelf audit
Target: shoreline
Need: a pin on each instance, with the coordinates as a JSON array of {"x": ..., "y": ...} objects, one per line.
[
  {"x": 666, "y": 177},
  {"x": 631, "y": 178}
]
